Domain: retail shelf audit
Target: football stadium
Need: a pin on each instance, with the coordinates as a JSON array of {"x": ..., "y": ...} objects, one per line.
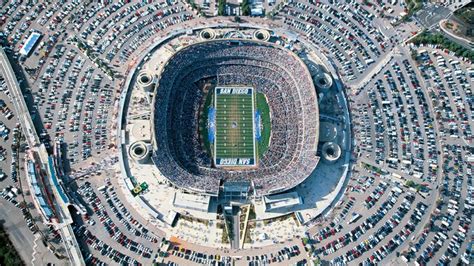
[{"x": 235, "y": 111}]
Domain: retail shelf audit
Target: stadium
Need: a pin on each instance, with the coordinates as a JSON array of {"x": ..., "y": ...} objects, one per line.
[{"x": 235, "y": 111}]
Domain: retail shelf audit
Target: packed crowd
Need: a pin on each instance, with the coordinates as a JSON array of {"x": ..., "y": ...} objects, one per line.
[{"x": 292, "y": 154}]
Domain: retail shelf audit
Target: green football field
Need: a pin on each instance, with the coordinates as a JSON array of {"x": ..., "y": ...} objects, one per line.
[{"x": 234, "y": 125}]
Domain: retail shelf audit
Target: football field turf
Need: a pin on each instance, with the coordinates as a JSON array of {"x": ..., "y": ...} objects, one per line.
[{"x": 235, "y": 141}]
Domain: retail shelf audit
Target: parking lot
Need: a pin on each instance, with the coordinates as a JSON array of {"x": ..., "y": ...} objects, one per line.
[{"x": 409, "y": 197}]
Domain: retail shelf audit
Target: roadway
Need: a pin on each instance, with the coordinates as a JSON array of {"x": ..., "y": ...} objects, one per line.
[
  {"x": 18, "y": 100},
  {"x": 69, "y": 240},
  {"x": 13, "y": 221},
  {"x": 235, "y": 231}
]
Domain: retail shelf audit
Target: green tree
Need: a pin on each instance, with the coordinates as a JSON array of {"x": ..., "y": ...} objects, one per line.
[
  {"x": 221, "y": 4},
  {"x": 414, "y": 54},
  {"x": 438, "y": 39},
  {"x": 245, "y": 7},
  {"x": 8, "y": 253},
  {"x": 409, "y": 183}
]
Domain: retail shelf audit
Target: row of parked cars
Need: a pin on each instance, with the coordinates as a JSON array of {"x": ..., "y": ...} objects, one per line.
[
  {"x": 105, "y": 250},
  {"x": 453, "y": 83},
  {"x": 401, "y": 236},
  {"x": 405, "y": 139},
  {"x": 134, "y": 38},
  {"x": 386, "y": 229},
  {"x": 55, "y": 17},
  {"x": 360, "y": 230},
  {"x": 7, "y": 113},
  {"x": 334, "y": 226},
  {"x": 124, "y": 216},
  {"x": 10, "y": 193},
  {"x": 97, "y": 14},
  {"x": 403, "y": 147},
  {"x": 199, "y": 257},
  {"x": 11, "y": 20},
  {"x": 69, "y": 96},
  {"x": 60, "y": 78},
  {"x": 361, "y": 119},
  {"x": 374, "y": 197},
  {"x": 451, "y": 80},
  {"x": 87, "y": 192},
  {"x": 281, "y": 256},
  {"x": 354, "y": 42}
]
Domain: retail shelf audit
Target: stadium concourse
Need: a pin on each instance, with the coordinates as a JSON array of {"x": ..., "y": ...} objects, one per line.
[{"x": 286, "y": 82}]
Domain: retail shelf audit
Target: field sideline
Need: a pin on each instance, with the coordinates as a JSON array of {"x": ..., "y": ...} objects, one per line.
[{"x": 234, "y": 123}]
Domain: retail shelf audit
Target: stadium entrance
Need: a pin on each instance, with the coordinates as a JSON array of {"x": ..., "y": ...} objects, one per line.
[{"x": 236, "y": 191}]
